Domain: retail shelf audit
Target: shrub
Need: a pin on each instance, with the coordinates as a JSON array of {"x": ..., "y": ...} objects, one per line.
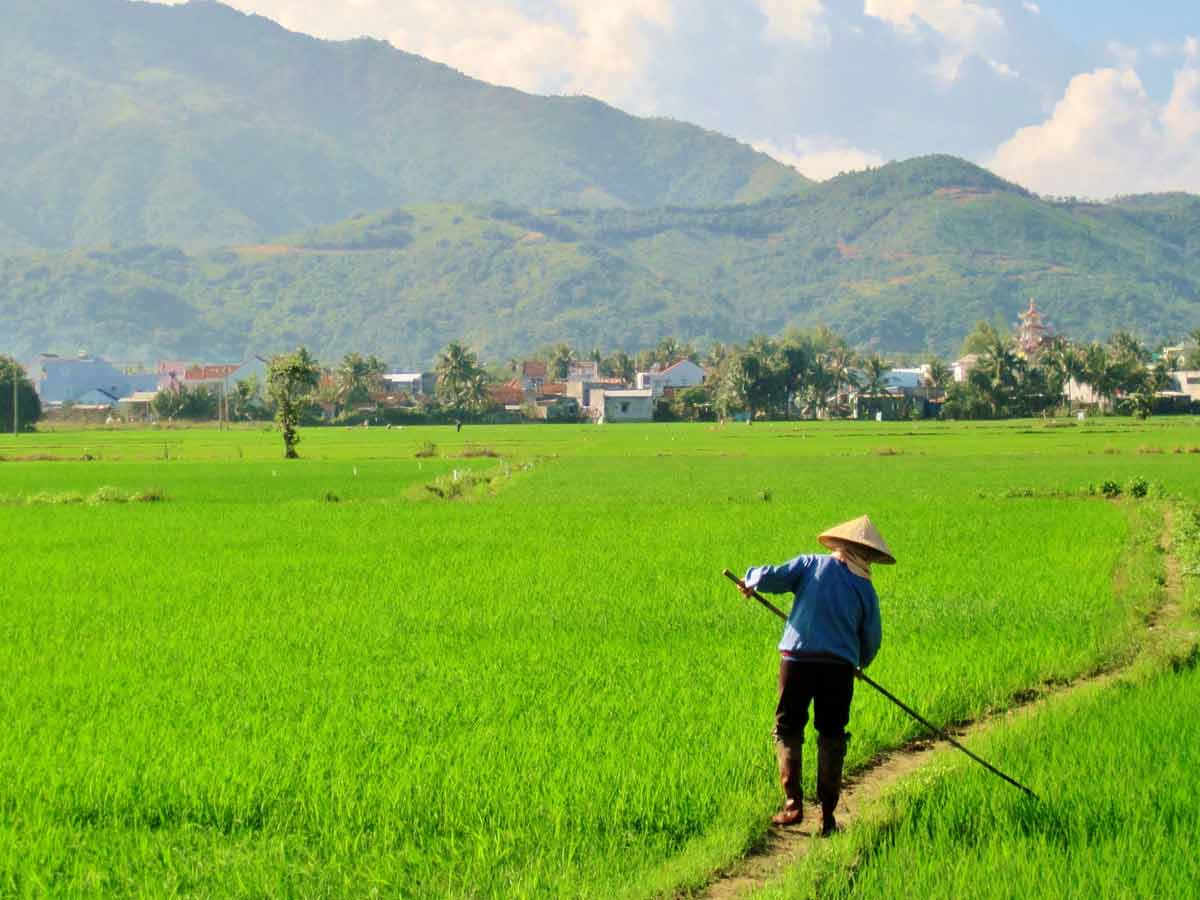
[
  {"x": 1137, "y": 487},
  {"x": 1110, "y": 488},
  {"x": 426, "y": 450}
]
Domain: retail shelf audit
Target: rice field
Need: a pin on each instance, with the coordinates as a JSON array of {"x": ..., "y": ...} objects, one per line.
[{"x": 503, "y": 663}]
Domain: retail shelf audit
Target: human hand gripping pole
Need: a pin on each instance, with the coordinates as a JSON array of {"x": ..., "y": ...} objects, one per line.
[{"x": 862, "y": 676}]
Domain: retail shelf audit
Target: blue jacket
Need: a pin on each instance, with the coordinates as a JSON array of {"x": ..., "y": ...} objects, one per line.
[{"x": 835, "y": 611}]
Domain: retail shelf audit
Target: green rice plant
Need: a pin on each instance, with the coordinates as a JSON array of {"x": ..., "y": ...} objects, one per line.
[
  {"x": 549, "y": 691},
  {"x": 1115, "y": 768}
]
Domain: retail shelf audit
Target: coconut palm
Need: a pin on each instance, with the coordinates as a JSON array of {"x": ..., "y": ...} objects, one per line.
[
  {"x": 875, "y": 372},
  {"x": 461, "y": 381},
  {"x": 357, "y": 379},
  {"x": 938, "y": 375},
  {"x": 995, "y": 375},
  {"x": 558, "y": 364},
  {"x": 839, "y": 361},
  {"x": 794, "y": 360}
]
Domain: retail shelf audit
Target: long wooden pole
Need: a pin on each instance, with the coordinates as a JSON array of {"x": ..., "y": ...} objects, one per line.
[{"x": 862, "y": 676}]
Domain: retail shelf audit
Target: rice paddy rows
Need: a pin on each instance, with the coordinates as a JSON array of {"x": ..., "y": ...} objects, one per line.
[{"x": 248, "y": 690}]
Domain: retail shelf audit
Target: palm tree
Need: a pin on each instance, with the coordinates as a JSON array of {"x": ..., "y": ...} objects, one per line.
[
  {"x": 795, "y": 361},
  {"x": 840, "y": 361},
  {"x": 995, "y": 374},
  {"x": 460, "y": 378},
  {"x": 874, "y": 375},
  {"x": 818, "y": 384},
  {"x": 938, "y": 376},
  {"x": 1096, "y": 372},
  {"x": 357, "y": 378},
  {"x": 559, "y": 363},
  {"x": 623, "y": 366}
]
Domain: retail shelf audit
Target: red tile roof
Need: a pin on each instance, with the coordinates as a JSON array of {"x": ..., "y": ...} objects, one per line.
[{"x": 533, "y": 369}]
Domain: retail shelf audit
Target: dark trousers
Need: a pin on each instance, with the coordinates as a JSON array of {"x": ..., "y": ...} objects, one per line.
[{"x": 828, "y": 686}]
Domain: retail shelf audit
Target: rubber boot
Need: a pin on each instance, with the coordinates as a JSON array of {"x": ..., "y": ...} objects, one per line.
[
  {"x": 831, "y": 754},
  {"x": 788, "y": 752}
]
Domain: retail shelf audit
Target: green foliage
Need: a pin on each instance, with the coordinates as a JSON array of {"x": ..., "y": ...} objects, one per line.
[
  {"x": 291, "y": 379},
  {"x": 197, "y": 404},
  {"x": 29, "y": 405},
  {"x": 936, "y": 246},
  {"x": 462, "y": 383}
]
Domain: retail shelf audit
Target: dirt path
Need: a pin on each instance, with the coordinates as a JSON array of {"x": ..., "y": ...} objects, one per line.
[{"x": 784, "y": 846}]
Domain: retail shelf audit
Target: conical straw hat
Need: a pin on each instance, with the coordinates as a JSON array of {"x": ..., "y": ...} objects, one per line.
[{"x": 863, "y": 532}]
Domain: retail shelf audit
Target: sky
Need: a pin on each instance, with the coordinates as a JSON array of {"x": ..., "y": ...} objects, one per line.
[{"x": 1088, "y": 98}]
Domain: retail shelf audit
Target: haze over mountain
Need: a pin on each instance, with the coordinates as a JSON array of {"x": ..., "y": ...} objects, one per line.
[
  {"x": 903, "y": 258},
  {"x": 198, "y": 125}
]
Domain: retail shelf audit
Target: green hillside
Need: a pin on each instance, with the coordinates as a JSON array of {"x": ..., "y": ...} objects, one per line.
[
  {"x": 902, "y": 258},
  {"x": 199, "y": 126}
]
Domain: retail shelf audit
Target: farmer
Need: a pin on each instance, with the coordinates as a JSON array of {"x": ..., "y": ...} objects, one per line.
[{"x": 833, "y": 629}]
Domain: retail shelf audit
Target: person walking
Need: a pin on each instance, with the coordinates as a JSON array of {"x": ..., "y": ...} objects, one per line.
[{"x": 833, "y": 630}]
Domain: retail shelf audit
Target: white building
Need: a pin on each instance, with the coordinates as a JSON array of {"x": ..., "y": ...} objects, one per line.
[
  {"x": 415, "y": 384},
  {"x": 962, "y": 367},
  {"x": 1186, "y": 382},
  {"x": 624, "y": 406},
  {"x": 585, "y": 370},
  {"x": 683, "y": 374}
]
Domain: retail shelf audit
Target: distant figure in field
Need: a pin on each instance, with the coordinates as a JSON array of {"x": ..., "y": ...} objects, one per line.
[
  {"x": 458, "y": 425},
  {"x": 833, "y": 629}
]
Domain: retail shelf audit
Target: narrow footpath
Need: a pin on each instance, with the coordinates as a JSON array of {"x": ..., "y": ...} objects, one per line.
[{"x": 1168, "y": 628}]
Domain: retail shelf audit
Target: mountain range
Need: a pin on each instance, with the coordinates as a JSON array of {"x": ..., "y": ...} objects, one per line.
[
  {"x": 189, "y": 181},
  {"x": 199, "y": 125}
]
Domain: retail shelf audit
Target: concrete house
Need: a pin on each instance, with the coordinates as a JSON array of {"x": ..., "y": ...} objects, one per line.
[
  {"x": 624, "y": 405},
  {"x": 1186, "y": 382},
  {"x": 588, "y": 370},
  {"x": 415, "y": 384},
  {"x": 682, "y": 374},
  {"x": 533, "y": 376},
  {"x": 961, "y": 368}
]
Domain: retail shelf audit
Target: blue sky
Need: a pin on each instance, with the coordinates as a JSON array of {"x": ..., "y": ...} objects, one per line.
[{"x": 1083, "y": 97}]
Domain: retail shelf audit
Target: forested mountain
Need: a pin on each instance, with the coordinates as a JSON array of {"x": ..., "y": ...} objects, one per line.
[
  {"x": 903, "y": 258},
  {"x": 199, "y": 126}
]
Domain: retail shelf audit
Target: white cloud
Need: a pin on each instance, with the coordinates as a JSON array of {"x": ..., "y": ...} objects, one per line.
[
  {"x": 1108, "y": 136},
  {"x": 796, "y": 20},
  {"x": 959, "y": 21},
  {"x": 1032, "y": 7},
  {"x": 966, "y": 28},
  {"x": 820, "y": 157}
]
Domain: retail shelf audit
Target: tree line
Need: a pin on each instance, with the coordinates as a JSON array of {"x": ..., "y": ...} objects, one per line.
[{"x": 811, "y": 373}]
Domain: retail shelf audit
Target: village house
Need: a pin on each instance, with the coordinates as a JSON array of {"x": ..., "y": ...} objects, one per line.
[
  {"x": 533, "y": 375},
  {"x": 414, "y": 384},
  {"x": 583, "y": 391},
  {"x": 906, "y": 392},
  {"x": 510, "y": 393},
  {"x": 681, "y": 374},
  {"x": 624, "y": 405},
  {"x": 74, "y": 379},
  {"x": 585, "y": 370},
  {"x": 961, "y": 368},
  {"x": 1186, "y": 382}
]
